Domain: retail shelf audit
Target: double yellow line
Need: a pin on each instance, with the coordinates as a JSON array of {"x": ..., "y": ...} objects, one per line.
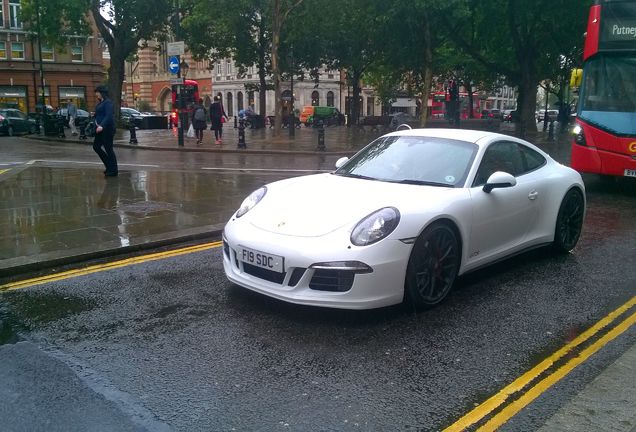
[
  {"x": 503, "y": 404},
  {"x": 500, "y": 399},
  {"x": 107, "y": 266}
]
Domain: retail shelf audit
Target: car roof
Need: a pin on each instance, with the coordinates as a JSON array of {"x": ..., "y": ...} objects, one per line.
[
  {"x": 458, "y": 134},
  {"x": 477, "y": 137}
]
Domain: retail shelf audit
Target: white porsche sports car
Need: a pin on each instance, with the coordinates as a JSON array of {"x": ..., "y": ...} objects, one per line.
[{"x": 402, "y": 219}]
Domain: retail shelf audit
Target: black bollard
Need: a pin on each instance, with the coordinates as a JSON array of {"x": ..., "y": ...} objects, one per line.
[
  {"x": 235, "y": 122},
  {"x": 241, "y": 135},
  {"x": 82, "y": 130},
  {"x": 133, "y": 133},
  {"x": 321, "y": 136},
  {"x": 551, "y": 131},
  {"x": 60, "y": 127}
]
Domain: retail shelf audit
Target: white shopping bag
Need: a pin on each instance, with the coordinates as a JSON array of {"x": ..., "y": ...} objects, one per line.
[{"x": 190, "y": 133}]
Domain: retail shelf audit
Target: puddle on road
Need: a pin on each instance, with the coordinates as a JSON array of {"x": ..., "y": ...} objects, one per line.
[{"x": 20, "y": 311}]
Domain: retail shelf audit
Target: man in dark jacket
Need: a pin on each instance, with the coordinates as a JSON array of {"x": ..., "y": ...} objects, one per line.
[{"x": 105, "y": 131}]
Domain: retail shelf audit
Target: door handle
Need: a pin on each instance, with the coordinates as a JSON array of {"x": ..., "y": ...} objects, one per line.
[{"x": 533, "y": 195}]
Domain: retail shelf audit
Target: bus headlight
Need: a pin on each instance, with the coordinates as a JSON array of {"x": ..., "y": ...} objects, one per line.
[{"x": 579, "y": 135}]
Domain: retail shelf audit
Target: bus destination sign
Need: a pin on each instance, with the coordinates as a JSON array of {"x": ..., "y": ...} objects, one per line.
[{"x": 618, "y": 27}]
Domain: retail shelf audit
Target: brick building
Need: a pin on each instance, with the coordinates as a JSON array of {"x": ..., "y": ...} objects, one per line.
[{"x": 70, "y": 73}]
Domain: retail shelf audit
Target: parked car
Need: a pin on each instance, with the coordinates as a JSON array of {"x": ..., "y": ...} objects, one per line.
[
  {"x": 128, "y": 115},
  {"x": 552, "y": 115},
  {"x": 490, "y": 114},
  {"x": 82, "y": 116},
  {"x": 402, "y": 219},
  {"x": 400, "y": 118},
  {"x": 511, "y": 116},
  {"x": 14, "y": 121}
]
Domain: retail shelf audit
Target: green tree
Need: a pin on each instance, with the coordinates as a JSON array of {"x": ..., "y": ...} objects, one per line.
[
  {"x": 249, "y": 31},
  {"x": 348, "y": 34},
  {"x": 122, "y": 24},
  {"x": 516, "y": 39},
  {"x": 240, "y": 29}
]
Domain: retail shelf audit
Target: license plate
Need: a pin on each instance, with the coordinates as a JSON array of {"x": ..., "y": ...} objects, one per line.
[
  {"x": 630, "y": 173},
  {"x": 261, "y": 259}
]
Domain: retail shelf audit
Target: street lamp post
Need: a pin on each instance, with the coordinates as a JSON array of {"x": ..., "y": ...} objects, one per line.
[
  {"x": 183, "y": 72},
  {"x": 292, "y": 117},
  {"x": 43, "y": 98}
]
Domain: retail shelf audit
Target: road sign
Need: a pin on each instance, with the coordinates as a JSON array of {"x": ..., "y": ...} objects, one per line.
[
  {"x": 176, "y": 81},
  {"x": 173, "y": 65},
  {"x": 176, "y": 48}
]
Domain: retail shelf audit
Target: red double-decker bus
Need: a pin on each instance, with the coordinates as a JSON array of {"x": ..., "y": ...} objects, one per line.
[
  {"x": 605, "y": 130},
  {"x": 185, "y": 99}
]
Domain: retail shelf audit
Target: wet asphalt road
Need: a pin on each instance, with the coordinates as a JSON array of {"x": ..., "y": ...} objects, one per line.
[{"x": 171, "y": 345}]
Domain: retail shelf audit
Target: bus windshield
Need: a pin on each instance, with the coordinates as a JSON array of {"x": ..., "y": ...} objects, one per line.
[{"x": 608, "y": 93}]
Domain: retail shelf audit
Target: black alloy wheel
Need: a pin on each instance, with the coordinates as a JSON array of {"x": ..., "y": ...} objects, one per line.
[
  {"x": 10, "y": 131},
  {"x": 433, "y": 266},
  {"x": 569, "y": 221}
]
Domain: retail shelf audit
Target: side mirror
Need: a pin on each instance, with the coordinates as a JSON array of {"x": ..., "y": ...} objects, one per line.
[
  {"x": 340, "y": 162},
  {"x": 499, "y": 179}
]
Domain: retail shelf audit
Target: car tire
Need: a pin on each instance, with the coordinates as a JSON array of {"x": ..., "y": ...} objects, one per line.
[
  {"x": 433, "y": 266},
  {"x": 10, "y": 131},
  {"x": 32, "y": 130},
  {"x": 569, "y": 221}
]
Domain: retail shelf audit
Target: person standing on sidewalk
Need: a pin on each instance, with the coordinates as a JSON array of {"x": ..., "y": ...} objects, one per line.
[
  {"x": 105, "y": 131},
  {"x": 199, "y": 115},
  {"x": 71, "y": 113},
  {"x": 217, "y": 118}
]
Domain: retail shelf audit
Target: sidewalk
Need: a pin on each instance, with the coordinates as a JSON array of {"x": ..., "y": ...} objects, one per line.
[{"x": 52, "y": 215}]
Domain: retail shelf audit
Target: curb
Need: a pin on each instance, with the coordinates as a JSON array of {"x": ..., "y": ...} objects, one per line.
[
  {"x": 212, "y": 231},
  {"x": 121, "y": 144}
]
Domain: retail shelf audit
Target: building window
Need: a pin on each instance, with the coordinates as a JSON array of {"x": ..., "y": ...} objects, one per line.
[
  {"x": 219, "y": 69},
  {"x": 47, "y": 53},
  {"x": 229, "y": 67},
  {"x": 17, "y": 50},
  {"x": 77, "y": 54},
  {"x": 3, "y": 50},
  {"x": 330, "y": 99},
  {"x": 315, "y": 98},
  {"x": 1, "y": 15},
  {"x": 370, "y": 106},
  {"x": 14, "y": 14}
]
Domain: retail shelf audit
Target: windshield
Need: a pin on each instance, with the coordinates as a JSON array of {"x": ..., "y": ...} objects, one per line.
[
  {"x": 413, "y": 160},
  {"x": 608, "y": 93}
]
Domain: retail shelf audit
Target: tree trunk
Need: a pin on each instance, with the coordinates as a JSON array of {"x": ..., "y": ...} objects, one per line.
[
  {"x": 355, "y": 102},
  {"x": 262, "y": 70},
  {"x": 262, "y": 94},
  {"x": 469, "y": 90},
  {"x": 428, "y": 71},
  {"x": 278, "y": 107},
  {"x": 116, "y": 78},
  {"x": 527, "y": 101}
]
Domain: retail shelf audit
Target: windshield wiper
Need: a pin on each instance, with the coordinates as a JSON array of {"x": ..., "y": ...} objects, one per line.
[
  {"x": 422, "y": 183},
  {"x": 359, "y": 176}
]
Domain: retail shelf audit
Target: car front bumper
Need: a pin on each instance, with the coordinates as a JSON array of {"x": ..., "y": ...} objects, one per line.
[{"x": 307, "y": 278}]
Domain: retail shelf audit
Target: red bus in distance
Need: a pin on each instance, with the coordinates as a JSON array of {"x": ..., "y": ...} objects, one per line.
[{"x": 189, "y": 96}]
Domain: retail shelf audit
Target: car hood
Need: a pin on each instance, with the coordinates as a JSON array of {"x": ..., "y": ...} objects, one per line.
[{"x": 316, "y": 205}]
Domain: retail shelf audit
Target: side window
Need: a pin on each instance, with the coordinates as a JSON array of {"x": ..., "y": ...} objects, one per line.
[
  {"x": 500, "y": 156},
  {"x": 532, "y": 159}
]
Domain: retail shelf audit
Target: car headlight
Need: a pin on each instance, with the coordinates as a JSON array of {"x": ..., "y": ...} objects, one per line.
[
  {"x": 375, "y": 226},
  {"x": 249, "y": 202}
]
